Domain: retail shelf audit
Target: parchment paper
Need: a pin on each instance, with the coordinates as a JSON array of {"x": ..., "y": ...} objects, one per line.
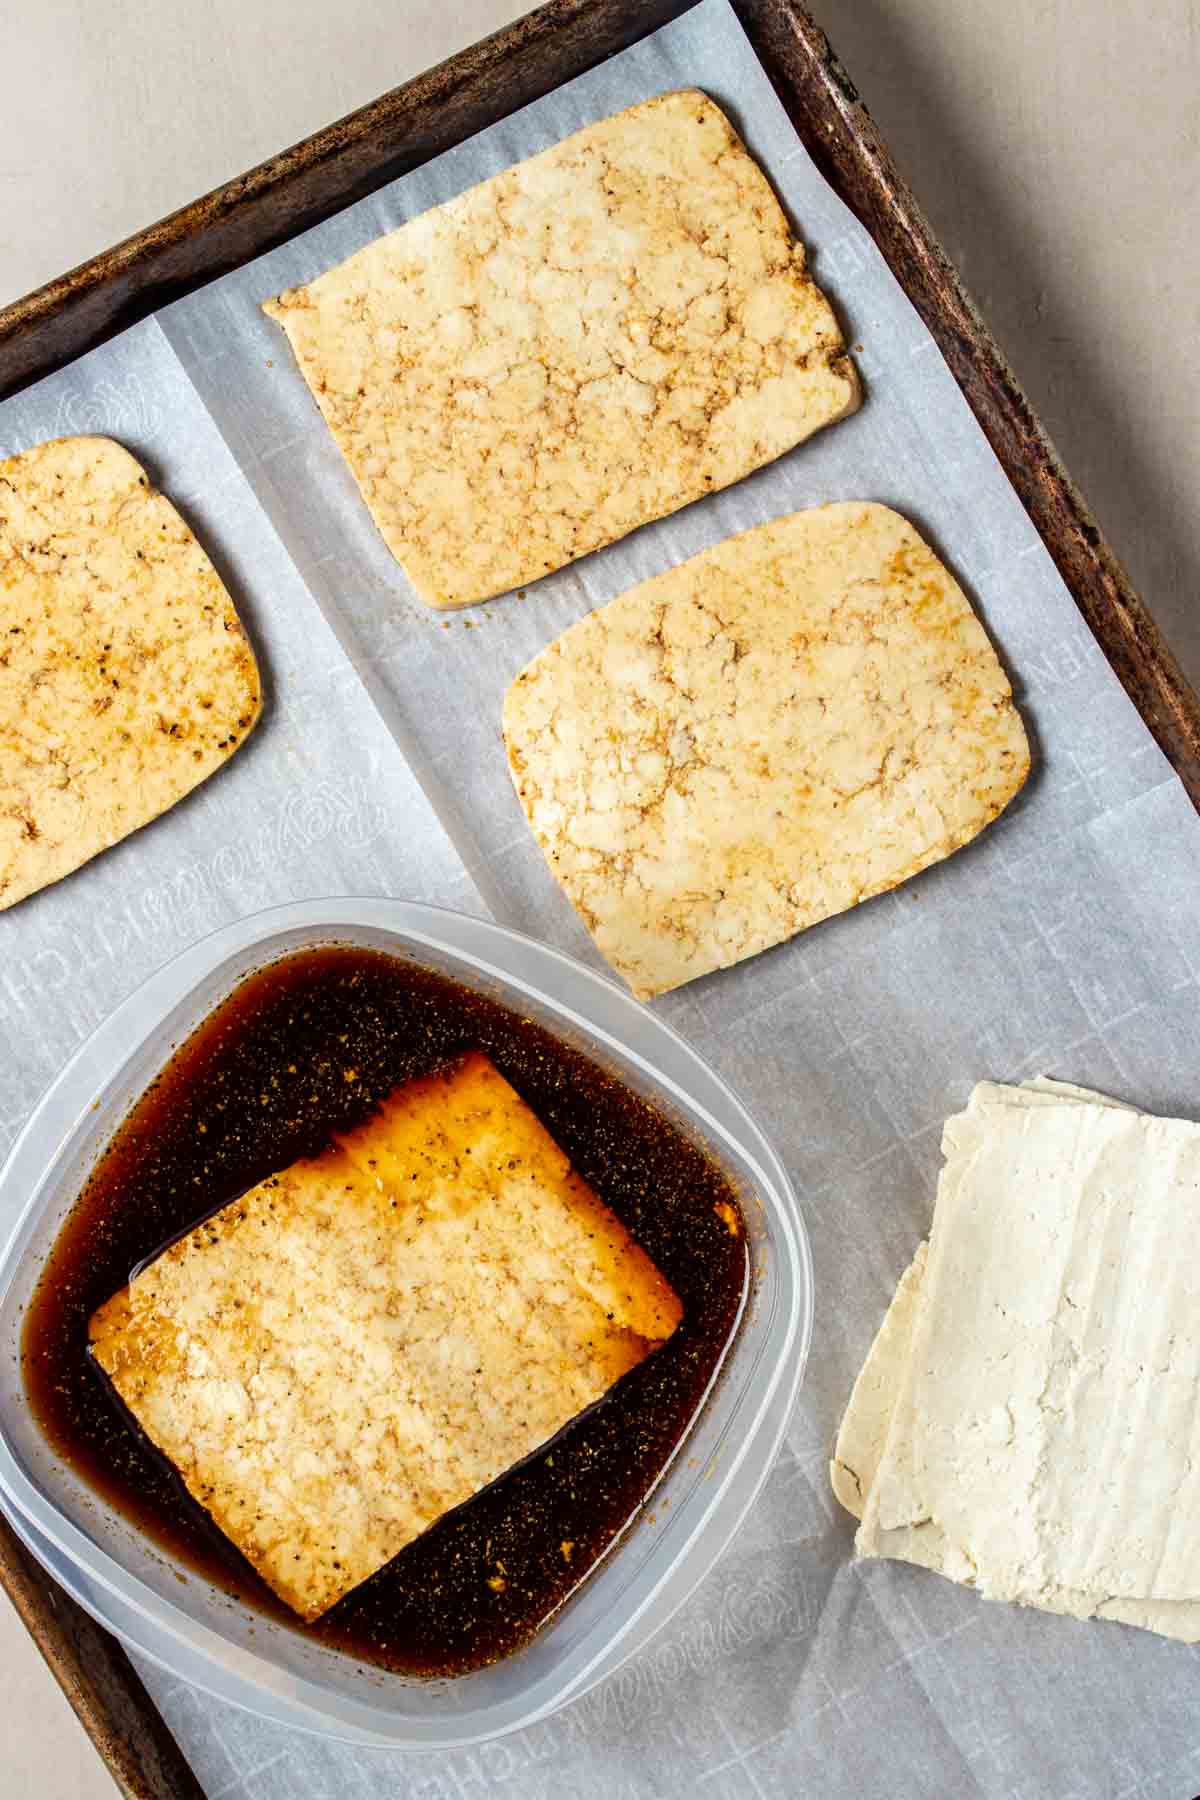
[{"x": 1065, "y": 940}]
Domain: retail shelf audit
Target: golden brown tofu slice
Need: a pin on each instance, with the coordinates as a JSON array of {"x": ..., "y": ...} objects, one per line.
[
  {"x": 583, "y": 343},
  {"x": 799, "y": 718},
  {"x": 126, "y": 678},
  {"x": 365, "y": 1340}
]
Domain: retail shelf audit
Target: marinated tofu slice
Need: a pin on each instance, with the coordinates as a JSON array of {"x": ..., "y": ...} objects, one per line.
[
  {"x": 363, "y": 1341},
  {"x": 583, "y": 343},
  {"x": 795, "y": 720},
  {"x": 125, "y": 676}
]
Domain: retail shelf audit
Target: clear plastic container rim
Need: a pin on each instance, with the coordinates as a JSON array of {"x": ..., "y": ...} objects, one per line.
[{"x": 171, "y": 1636}]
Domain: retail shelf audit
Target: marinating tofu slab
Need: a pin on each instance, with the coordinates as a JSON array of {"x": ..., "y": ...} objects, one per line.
[{"x": 357, "y": 1345}]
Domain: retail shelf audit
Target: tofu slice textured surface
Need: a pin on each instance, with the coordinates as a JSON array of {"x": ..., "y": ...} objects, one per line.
[
  {"x": 126, "y": 678},
  {"x": 580, "y": 344},
  {"x": 797, "y": 719},
  {"x": 363, "y": 1341}
]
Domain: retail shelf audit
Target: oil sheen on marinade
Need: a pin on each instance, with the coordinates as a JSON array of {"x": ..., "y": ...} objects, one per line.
[{"x": 261, "y": 1083}]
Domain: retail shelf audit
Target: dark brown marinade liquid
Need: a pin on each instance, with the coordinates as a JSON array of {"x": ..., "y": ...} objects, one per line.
[{"x": 261, "y": 1083}]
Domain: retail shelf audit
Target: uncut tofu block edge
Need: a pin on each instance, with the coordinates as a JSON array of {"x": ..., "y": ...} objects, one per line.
[
  {"x": 357, "y": 1345},
  {"x": 987, "y": 1284},
  {"x": 578, "y": 345},
  {"x": 794, "y": 720}
]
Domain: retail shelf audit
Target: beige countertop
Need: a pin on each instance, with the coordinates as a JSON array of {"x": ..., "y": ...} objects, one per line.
[
  {"x": 46, "y": 1755},
  {"x": 1056, "y": 146}
]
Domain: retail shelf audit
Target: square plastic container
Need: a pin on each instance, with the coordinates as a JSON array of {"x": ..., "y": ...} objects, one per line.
[{"x": 221, "y": 1645}]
